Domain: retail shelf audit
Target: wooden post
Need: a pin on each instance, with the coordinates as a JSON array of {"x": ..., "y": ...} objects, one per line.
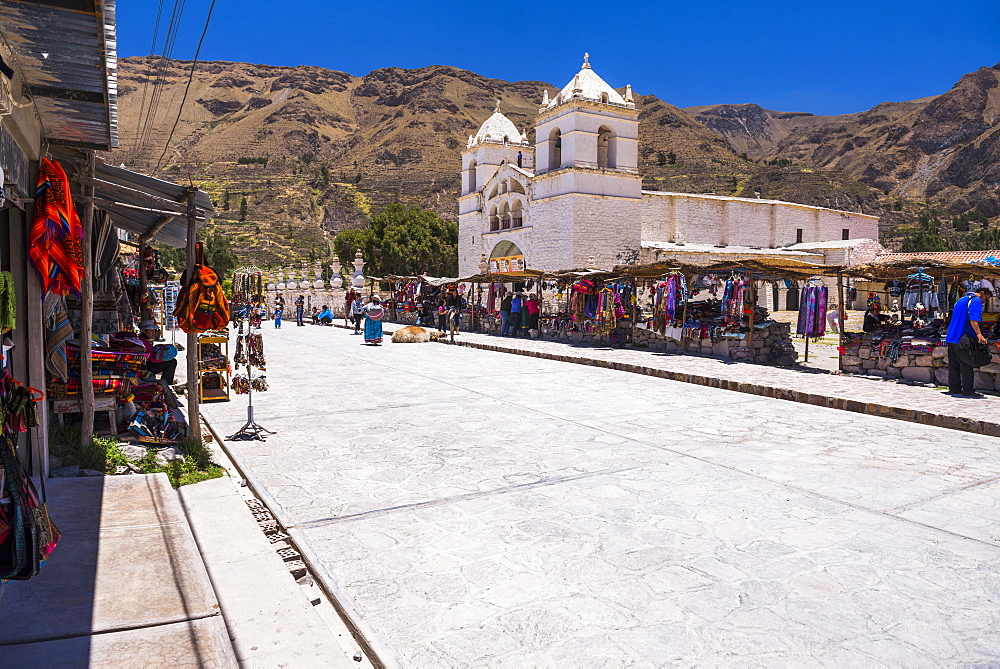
[
  {"x": 87, "y": 317},
  {"x": 193, "y": 397},
  {"x": 807, "y": 348},
  {"x": 753, "y": 309},
  {"x": 843, "y": 317},
  {"x": 634, "y": 300}
]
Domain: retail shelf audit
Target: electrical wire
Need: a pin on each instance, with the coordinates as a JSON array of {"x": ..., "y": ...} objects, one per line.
[
  {"x": 187, "y": 87},
  {"x": 145, "y": 84},
  {"x": 173, "y": 27}
]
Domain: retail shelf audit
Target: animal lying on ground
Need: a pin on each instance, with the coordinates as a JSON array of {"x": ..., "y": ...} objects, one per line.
[{"x": 415, "y": 334}]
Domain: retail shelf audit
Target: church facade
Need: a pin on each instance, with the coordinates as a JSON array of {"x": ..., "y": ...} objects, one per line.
[{"x": 574, "y": 199}]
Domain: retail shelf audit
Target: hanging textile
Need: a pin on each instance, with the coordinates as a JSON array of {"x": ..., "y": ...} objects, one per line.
[
  {"x": 57, "y": 332},
  {"x": 8, "y": 302},
  {"x": 56, "y": 232},
  {"x": 812, "y": 311}
]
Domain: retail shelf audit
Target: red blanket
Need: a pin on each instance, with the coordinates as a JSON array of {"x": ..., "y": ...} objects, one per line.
[{"x": 56, "y": 232}]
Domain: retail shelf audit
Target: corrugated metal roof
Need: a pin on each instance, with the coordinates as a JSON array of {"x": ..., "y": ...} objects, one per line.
[
  {"x": 66, "y": 51},
  {"x": 958, "y": 256},
  {"x": 134, "y": 218}
]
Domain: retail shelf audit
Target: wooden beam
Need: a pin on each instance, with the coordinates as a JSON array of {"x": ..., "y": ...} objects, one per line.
[
  {"x": 87, "y": 317},
  {"x": 151, "y": 232},
  {"x": 193, "y": 398},
  {"x": 104, "y": 203},
  {"x": 178, "y": 206},
  {"x": 843, "y": 318}
]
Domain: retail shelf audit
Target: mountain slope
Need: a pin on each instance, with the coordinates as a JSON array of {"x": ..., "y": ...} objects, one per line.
[
  {"x": 944, "y": 149},
  {"x": 312, "y": 151}
]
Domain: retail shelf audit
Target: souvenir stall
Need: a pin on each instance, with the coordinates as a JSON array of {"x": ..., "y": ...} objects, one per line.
[
  {"x": 590, "y": 306},
  {"x": 910, "y": 343},
  {"x": 420, "y": 300},
  {"x": 713, "y": 309},
  {"x": 484, "y": 298}
]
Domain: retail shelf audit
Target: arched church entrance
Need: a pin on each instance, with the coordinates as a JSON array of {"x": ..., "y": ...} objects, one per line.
[{"x": 505, "y": 258}]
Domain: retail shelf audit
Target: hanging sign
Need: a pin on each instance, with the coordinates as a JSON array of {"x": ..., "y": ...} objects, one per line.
[{"x": 507, "y": 265}]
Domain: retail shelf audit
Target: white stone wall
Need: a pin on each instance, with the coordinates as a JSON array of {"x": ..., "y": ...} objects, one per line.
[
  {"x": 704, "y": 219},
  {"x": 588, "y": 181}
]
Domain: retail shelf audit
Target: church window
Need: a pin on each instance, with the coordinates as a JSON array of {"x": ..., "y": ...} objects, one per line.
[
  {"x": 555, "y": 149},
  {"x": 494, "y": 219},
  {"x": 472, "y": 177},
  {"x": 516, "y": 215},
  {"x": 606, "y": 146},
  {"x": 604, "y": 97},
  {"x": 846, "y": 233},
  {"x": 798, "y": 235}
]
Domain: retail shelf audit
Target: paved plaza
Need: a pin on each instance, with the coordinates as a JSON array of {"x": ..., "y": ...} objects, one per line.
[{"x": 488, "y": 509}]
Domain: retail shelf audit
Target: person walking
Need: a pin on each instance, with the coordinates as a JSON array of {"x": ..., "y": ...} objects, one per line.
[
  {"x": 965, "y": 321},
  {"x": 357, "y": 311},
  {"x": 833, "y": 318},
  {"x": 348, "y": 302},
  {"x": 300, "y": 310},
  {"x": 505, "y": 305},
  {"x": 373, "y": 321},
  {"x": 279, "y": 310}
]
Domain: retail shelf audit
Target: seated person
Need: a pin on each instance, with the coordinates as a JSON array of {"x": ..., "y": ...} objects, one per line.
[
  {"x": 873, "y": 319},
  {"x": 313, "y": 315},
  {"x": 325, "y": 317}
]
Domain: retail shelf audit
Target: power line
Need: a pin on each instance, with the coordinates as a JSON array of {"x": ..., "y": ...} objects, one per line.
[
  {"x": 145, "y": 84},
  {"x": 161, "y": 70},
  {"x": 187, "y": 87}
]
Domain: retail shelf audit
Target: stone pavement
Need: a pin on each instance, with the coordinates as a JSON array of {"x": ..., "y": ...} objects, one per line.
[
  {"x": 126, "y": 586},
  {"x": 271, "y": 624},
  {"x": 888, "y": 398},
  {"x": 485, "y": 509}
]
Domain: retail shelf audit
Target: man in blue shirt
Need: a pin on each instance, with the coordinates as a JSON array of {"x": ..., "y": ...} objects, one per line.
[
  {"x": 965, "y": 319},
  {"x": 514, "y": 320}
]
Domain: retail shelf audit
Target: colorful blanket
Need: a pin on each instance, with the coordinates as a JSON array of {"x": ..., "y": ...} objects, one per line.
[{"x": 56, "y": 232}]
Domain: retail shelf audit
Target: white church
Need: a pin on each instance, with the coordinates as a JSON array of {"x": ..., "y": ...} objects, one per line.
[{"x": 575, "y": 198}]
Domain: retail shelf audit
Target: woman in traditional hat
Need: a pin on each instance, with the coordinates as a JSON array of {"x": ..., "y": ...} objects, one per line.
[{"x": 373, "y": 321}]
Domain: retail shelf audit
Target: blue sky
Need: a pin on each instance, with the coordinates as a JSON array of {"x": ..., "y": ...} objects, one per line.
[{"x": 819, "y": 56}]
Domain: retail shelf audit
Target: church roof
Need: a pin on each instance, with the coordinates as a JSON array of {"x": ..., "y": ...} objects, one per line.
[
  {"x": 495, "y": 129},
  {"x": 589, "y": 85}
]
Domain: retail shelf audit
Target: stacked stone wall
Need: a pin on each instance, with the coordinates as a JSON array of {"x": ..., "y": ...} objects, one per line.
[{"x": 863, "y": 358}]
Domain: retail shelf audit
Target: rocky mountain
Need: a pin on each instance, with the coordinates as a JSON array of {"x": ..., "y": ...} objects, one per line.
[
  {"x": 292, "y": 155},
  {"x": 942, "y": 150}
]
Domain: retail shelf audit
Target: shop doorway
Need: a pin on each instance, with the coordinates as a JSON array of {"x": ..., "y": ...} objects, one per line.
[{"x": 792, "y": 298}]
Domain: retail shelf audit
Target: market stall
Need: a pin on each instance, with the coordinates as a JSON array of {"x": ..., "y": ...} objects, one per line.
[
  {"x": 908, "y": 341},
  {"x": 714, "y": 308}
]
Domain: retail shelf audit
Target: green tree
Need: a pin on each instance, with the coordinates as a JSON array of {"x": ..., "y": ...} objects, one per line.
[
  {"x": 218, "y": 253},
  {"x": 671, "y": 158},
  {"x": 225, "y": 201},
  {"x": 661, "y": 158},
  {"x": 404, "y": 241},
  {"x": 926, "y": 235},
  {"x": 243, "y": 209}
]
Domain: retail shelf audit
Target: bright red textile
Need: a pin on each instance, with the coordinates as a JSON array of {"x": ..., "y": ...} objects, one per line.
[{"x": 56, "y": 233}]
